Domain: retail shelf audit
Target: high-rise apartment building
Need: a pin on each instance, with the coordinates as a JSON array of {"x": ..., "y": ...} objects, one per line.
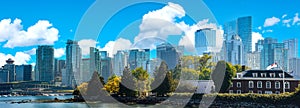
[
  {"x": 120, "y": 61},
  {"x": 292, "y": 46},
  {"x": 274, "y": 52},
  {"x": 139, "y": 58},
  {"x": 23, "y": 73},
  {"x": 44, "y": 63},
  {"x": 168, "y": 53},
  {"x": 73, "y": 63}
]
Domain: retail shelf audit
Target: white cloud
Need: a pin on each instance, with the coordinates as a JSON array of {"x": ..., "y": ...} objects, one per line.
[
  {"x": 159, "y": 24},
  {"x": 59, "y": 52},
  {"x": 267, "y": 31},
  {"x": 296, "y": 18},
  {"x": 287, "y": 22},
  {"x": 271, "y": 21},
  {"x": 42, "y": 33},
  {"x": 188, "y": 40},
  {"x": 31, "y": 52},
  {"x": 113, "y": 46},
  {"x": 255, "y": 37},
  {"x": 283, "y": 16},
  {"x": 259, "y": 28},
  {"x": 85, "y": 45},
  {"x": 19, "y": 58}
]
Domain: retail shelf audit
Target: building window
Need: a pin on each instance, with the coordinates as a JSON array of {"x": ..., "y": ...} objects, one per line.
[
  {"x": 239, "y": 75},
  {"x": 259, "y": 84},
  {"x": 277, "y": 85},
  {"x": 230, "y": 91},
  {"x": 272, "y": 75},
  {"x": 238, "y": 91},
  {"x": 259, "y": 92},
  {"x": 254, "y": 75},
  {"x": 277, "y": 92},
  {"x": 268, "y": 92},
  {"x": 238, "y": 84},
  {"x": 280, "y": 75},
  {"x": 268, "y": 84},
  {"x": 287, "y": 85},
  {"x": 263, "y": 75},
  {"x": 251, "y": 84}
]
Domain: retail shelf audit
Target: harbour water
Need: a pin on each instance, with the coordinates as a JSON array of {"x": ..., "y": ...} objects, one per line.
[{"x": 6, "y": 102}]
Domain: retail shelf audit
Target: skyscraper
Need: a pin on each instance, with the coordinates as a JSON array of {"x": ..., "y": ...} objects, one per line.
[
  {"x": 73, "y": 62},
  {"x": 244, "y": 28},
  {"x": 94, "y": 60},
  {"x": 234, "y": 49},
  {"x": 292, "y": 46},
  {"x": 168, "y": 53},
  {"x": 294, "y": 67},
  {"x": 4, "y": 78},
  {"x": 105, "y": 65},
  {"x": 44, "y": 63},
  {"x": 11, "y": 68},
  {"x": 274, "y": 52},
  {"x": 23, "y": 73},
  {"x": 205, "y": 40},
  {"x": 253, "y": 60},
  {"x": 139, "y": 58},
  {"x": 85, "y": 70},
  {"x": 120, "y": 62}
]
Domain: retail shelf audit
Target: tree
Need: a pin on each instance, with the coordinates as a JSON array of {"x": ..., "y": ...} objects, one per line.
[
  {"x": 222, "y": 76},
  {"x": 205, "y": 67},
  {"x": 127, "y": 85},
  {"x": 163, "y": 81},
  {"x": 95, "y": 88},
  {"x": 142, "y": 81},
  {"x": 112, "y": 85}
]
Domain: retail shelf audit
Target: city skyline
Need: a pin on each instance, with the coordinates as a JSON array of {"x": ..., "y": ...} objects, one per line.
[{"x": 282, "y": 25}]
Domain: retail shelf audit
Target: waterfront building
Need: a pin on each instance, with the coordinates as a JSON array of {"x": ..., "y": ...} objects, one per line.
[
  {"x": 4, "y": 76},
  {"x": 263, "y": 82},
  {"x": 23, "y": 73}
]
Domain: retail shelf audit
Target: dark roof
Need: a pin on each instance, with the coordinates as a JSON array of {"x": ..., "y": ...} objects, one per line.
[{"x": 249, "y": 73}]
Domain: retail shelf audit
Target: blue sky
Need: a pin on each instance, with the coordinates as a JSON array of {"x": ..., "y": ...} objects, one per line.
[{"x": 65, "y": 16}]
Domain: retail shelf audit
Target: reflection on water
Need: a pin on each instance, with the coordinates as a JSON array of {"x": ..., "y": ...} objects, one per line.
[{"x": 5, "y": 102}]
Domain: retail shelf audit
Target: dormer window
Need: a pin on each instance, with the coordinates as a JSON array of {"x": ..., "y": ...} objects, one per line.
[
  {"x": 254, "y": 75},
  {"x": 272, "y": 75},
  {"x": 280, "y": 75},
  {"x": 263, "y": 75},
  {"x": 239, "y": 75}
]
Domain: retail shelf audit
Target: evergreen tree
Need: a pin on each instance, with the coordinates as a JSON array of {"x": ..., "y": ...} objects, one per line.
[
  {"x": 127, "y": 84},
  {"x": 95, "y": 90},
  {"x": 163, "y": 82},
  {"x": 222, "y": 76}
]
